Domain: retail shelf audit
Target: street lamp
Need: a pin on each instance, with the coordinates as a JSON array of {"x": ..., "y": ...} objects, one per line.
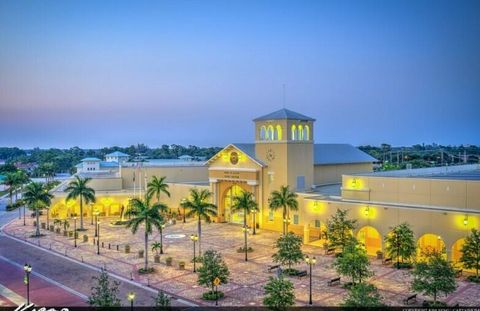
[
  {"x": 310, "y": 261},
  {"x": 194, "y": 238},
  {"x": 254, "y": 212},
  {"x": 98, "y": 238},
  {"x": 75, "y": 231},
  {"x": 245, "y": 233},
  {"x": 131, "y": 298},
  {"x": 28, "y": 269},
  {"x": 24, "y": 221},
  {"x": 161, "y": 237},
  {"x": 96, "y": 222}
]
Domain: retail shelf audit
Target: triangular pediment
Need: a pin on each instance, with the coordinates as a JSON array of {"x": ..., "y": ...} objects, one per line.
[{"x": 233, "y": 156}]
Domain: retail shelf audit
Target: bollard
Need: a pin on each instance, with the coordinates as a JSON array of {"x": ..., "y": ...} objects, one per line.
[
  {"x": 66, "y": 253},
  {"x": 108, "y": 245},
  {"x": 103, "y": 245},
  {"x": 82, "y": 258},
  {"x": 131, "y": 276},
  {"x": 117, "y": 247},
  {"x": 93, "y": 241},
  {"x": 148, "y": 281}
]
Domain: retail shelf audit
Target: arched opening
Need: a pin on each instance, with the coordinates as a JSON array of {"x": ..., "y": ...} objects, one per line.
[
  {"x": 230, "y": 216},
  {"x": 300, "y": 132},
  {"x": 271, "y": 133},
  {"x": 279, "y": 132},
  {"x": 306, "y": 134},
  {"x": 429, "y": 242},
  {"x": 371, "y": 238},
  {"x": 263, "y": 133},
  {"x": 294, "y": 132}
]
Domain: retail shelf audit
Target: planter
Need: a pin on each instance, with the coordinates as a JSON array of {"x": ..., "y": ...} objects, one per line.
[
  {"x": 65, "y": 232},
  {"x": 52, "y": 228},
  {"x": 85, "y": 238},
  {"x": 34, "y": 223},
  {"x": 70, "y": 234},
  {"x": 140, "y": 254},
  {"x": 379, "y": 255},
  {"x": 127, "y": 249},
  {"x": 181, "y": 265},
  {"x": 57, "y": 230},
  {"x": 169, "y": 261},
  {"x": 76, "y": 235},
  {"x": 156, "y": 258},
  {"x": 43, "y": 225}
]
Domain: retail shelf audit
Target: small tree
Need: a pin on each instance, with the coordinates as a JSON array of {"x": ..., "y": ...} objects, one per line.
[
  {"x": 289, "y": 251},
  {"x": 353, "y": 262},
  {"x": 400, "y": 244},
  {"x": 105, "y": 292},
  {"x": 213, "y": 266},
  {"x": 279, "y": 294},
  {"x": 434, "y": 276},
  {"x": 162, "y": 300},
  {"x": 471, "y": 254},
  {"x": 339, "y": 229},
  {"x": 363, "y": 295}
]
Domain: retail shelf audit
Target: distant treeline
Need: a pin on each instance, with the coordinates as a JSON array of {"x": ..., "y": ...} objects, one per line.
[
  {"x": 418, "y": 156},
  {"x": 64, "y": 160},
  {"x": 45, "y": 162}
]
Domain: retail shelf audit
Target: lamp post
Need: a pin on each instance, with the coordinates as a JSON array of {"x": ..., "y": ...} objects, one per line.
[
  {"x": 28, "y": 269},
  {"x": 75, "y": 231},
  {"x": 24, "y": 221},
  {"x": 96, "y": 222},
  {"x": 161, "y": 237},
  {"x": 131, "y": 298},
  {"x": 93, "y": 213},
  {"x": 310, "y": 261},
  {"x": 98, "y": 238},
  {"x": 245, "y": 233},
  {"x": 194, "y": 238}
]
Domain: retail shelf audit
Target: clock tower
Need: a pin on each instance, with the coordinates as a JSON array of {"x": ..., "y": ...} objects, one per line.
[{"x": 284, "y": 142}]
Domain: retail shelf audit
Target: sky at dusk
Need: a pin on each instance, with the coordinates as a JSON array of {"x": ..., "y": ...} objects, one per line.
[{"x": 103, "y": 73}]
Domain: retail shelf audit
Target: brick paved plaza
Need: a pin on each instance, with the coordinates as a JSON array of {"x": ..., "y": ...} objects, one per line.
[{"x": 247, "y": 279}]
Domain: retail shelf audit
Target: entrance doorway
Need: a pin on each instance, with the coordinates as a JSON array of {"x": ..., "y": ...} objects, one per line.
[{"x": 233, "y": 217}]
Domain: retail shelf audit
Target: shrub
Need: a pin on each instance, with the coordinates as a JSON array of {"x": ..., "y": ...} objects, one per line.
[{"x": 212, "y": 295}]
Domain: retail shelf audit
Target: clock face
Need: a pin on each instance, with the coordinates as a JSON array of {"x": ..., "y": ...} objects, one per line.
[{"x": 270, "y": 155}]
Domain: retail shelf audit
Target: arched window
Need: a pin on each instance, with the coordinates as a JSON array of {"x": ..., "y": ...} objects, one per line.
[
  {"x": 306, "y": 134},
  {"x": 300, "y": 132},
  {"x": 279, "y": 132},
  {"x": 294, "y": 132},
  {"x": 271, "y": 132},
  {"x": 263, "y": 133}
]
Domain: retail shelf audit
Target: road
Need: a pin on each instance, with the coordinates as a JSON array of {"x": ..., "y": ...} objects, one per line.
[{"x": 64, "y": 273}]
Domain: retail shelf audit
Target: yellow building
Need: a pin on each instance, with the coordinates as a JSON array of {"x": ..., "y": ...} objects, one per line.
[{"x": 441, "y": 204}]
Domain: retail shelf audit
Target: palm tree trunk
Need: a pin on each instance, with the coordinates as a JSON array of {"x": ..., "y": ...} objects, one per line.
[
  {"x": 199, "y": 236},
  {"x": 245, "y": 233},
  {"x": 146, "y": 250},
  {"x": 37, "y": 214},
  {"x": 284, "y": 220},
  {"x": 81, "y": 212}
]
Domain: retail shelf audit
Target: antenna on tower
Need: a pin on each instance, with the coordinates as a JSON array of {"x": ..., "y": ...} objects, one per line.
[{"x": 283, "y": 96}]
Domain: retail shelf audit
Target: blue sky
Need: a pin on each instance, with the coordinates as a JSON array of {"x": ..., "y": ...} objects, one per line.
[{"x": 101, "y": 73}]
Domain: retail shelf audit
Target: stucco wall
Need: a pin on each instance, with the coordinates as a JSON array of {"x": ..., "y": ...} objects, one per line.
[{"x": 331, "y": 174}]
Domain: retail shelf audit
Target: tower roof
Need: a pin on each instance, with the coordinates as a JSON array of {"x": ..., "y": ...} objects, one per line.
[{"x": 284, "y": 114}]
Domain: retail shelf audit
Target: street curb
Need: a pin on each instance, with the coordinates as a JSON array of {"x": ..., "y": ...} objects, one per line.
[{"x": 92, "y": 267}]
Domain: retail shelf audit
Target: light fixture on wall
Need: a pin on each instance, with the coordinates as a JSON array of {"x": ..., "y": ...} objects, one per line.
[
  {"x": 366, "y": 212},
  {"x": 465, "y": 220}
]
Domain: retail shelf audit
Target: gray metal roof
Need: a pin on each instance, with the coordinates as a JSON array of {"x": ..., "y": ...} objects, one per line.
[
  {"x": 284, "y": 114},
  {"x": 339, "y": 154},
  {"x": 249, "y": 149},
  {"x": 91, "y": 160}
]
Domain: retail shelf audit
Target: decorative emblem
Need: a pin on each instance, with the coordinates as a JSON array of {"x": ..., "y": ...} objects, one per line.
[
  {"x": 270, "y": 155},
  {"x": 233, "y": 157}
]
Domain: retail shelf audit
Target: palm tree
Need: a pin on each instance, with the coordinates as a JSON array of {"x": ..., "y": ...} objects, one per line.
[
  {"x": 22, "y": 180},
  {"x": 199, "y": 206},
  {"x": 156, "y": 186},
  {"x": 286, "y": 200},
  {"x": 156, "y": 247},
  {"x": 11, "y": 180},
  {"x": 244, "y": 202},
  {"x": 37, "y": 198},
  {"x": 143, "y": 212},
  {"x": 78, "y": 188}
]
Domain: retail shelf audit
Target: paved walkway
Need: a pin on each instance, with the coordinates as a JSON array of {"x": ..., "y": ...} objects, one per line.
[{"x": 245, "y": 287}]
